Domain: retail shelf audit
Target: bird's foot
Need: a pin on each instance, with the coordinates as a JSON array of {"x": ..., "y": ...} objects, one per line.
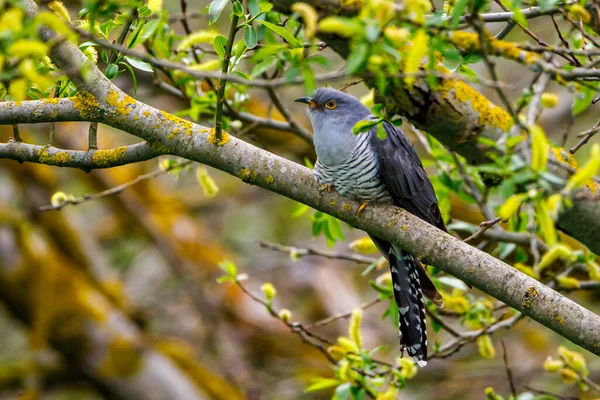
[
  {"x": 362, "y": 207},
  {"x": 329, "y": 187}
]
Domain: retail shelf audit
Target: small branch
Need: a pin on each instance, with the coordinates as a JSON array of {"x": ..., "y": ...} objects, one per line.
[
  {"x": 299, "y": 252},
  {"x": 222, "y": 82},
  {"x": 342, "y": 315},
  {"x": 440, "y": 321},
  {"x": 114, "y": 190},
  {"x": 296, "y": 128},
  {"x": 545, "y": 392},
  {"x": 484, "y": 226},
  {"x": 84, "y": 160},
  {"x": 509, "y": 375},
  {"x": 92, "y": 136},
  {"x": 587, "y": 135},
  {"x": 16, "y": 133},
  {"x": 455, "y": 345}
]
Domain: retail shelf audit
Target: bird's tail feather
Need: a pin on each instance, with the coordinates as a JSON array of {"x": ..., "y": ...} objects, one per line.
[{"x": 411, "y": 308}]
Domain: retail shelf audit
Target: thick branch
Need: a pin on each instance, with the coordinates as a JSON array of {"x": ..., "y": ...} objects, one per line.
[
  {"x": 457, "y": 115},
  {"x": 85, "y": 160},
  {"x": 258, "y": 167}
]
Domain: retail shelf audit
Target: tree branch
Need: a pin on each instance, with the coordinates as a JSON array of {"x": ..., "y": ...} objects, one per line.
[
  {"x": 84, "y": 160},
  {"x": 261, "y": 168}
]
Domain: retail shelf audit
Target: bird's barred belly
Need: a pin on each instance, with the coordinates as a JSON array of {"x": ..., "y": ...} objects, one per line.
[{"x": 358, "y": 178}]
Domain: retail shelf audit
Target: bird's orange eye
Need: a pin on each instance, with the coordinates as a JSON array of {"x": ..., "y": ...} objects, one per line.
[{"x": 331, "y": 104}]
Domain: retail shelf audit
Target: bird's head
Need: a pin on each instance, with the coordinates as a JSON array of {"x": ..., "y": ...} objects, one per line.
[
  {"x": 333, "y": 114},
  {"x": 330, "y": 104}
]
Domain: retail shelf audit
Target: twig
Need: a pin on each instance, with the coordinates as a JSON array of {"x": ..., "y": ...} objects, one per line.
[
  {"x": 509, "y": 375},
  {"x": 587, "y": 135},
  {"x": 92, "y": 136},
  {"x": 558, "y": 396},
  {"x": 114, "y": 190},
  {"x": 222, "y": 83},
  {"x": 484, "y": 226},
  {"x": 16, "y": 133},
  {"x": 299, "y": 252},
  {"x": 440, "y": 321},
  {"x": 342, "y": 315},
  {"x": 347, "y": 85},
  {"x": 296, "y": 127},
  {"x": 455, "y": 345}
]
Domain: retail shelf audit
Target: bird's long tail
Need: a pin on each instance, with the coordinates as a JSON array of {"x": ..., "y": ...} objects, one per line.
[{"x": 411, "y": 307}]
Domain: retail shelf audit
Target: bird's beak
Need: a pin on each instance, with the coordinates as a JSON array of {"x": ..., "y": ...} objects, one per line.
[{"x": 306, "y": 100}]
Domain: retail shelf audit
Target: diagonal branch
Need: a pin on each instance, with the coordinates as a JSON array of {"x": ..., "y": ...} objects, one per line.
[{"x": 274, "y": 173}]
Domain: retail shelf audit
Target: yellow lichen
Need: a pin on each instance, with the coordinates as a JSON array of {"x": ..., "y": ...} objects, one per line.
[
  {"x": 529, "y": 297},
  {"x": 123, "y": 358},
  {"x": 247, "y": 175},
  {"x": 136, "y": 117},
  {"x": 346, "y": 207},
  {"x": 147, "y": 113},
  {"x": 269, "y": 180},
  {"x": 489, "y": 113},
  {"x": 469, "y": 41},
  {"x": 121, "y": 107},
  {"x": 559, "y": 319},
  {"x": 332, "y": 202},
  {"x": 218, "y": 141},
  {"x": 404, "y": 227},
  {"x": 60, "y": 157},
  {"x": 186, "y": 126},
  {"x": 51, "y": 100},
  {"x": 158, "y": 147},
  {"x": 106, "y": 158},
  {"x": 87, "y": 105}
]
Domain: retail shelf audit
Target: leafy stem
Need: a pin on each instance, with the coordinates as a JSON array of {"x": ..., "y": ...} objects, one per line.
[{"x": 222, "y": 82}]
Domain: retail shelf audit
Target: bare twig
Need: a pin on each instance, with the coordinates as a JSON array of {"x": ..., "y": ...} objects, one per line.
[
  {"x": 509, "y": 375},
  {"x": 114, "y": 190},
  {"x": 587, "y": 135},
  {"x": 484, "y": 226},
  {"x": 300, "y": 252},
  {"x": 342, "y": 315}
]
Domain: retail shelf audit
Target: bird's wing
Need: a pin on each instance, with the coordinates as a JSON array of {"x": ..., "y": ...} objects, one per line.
[{"x": 403, "y": 174}]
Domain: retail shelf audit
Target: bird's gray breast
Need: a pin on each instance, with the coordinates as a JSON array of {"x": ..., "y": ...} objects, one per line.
[{"x": 356, "y": 175}]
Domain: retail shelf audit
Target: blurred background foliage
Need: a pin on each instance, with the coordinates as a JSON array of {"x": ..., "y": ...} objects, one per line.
[{"x": 153, "y": 250}]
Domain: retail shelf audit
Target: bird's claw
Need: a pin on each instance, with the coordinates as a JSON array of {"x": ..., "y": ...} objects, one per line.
[{"x": 361, "y": 208}]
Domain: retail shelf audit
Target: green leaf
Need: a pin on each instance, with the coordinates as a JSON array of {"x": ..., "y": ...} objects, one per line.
[
  {"x": 144, "y": 11},
  {"x": 519, "y": 17},
  {"x": 147, "y": 31},
  {"x": 322, "y": 383},
  {"x": 250, "y": 36},
  {"x": 284, "y": 33},
  {"x": 215, "y": 8},
  {"x": 111, "y": 71},
  {"x": 457, "y": 12},
  {"x": 472, "y": 58},
  {"x": 365, "y": 125},
  {"x": 238, "y": 9},
  {"x": 242, "y": 75},
  {"x": 139, "y": 64},
  {"x": 342, "y": 392},
  {"x": 107, "y": 27},
  {"x": 309, "y": 80},
  {"x": 228, "y": 267},
  {"x": 582, "y": 100},
  {"x": 254, "y": 7},
  {"x": 219, "y": 44},
  {"x": 357, "y": 58}
]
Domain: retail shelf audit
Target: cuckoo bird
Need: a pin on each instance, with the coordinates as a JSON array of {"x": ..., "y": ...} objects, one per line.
[{"x": 387, "y": 170}]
